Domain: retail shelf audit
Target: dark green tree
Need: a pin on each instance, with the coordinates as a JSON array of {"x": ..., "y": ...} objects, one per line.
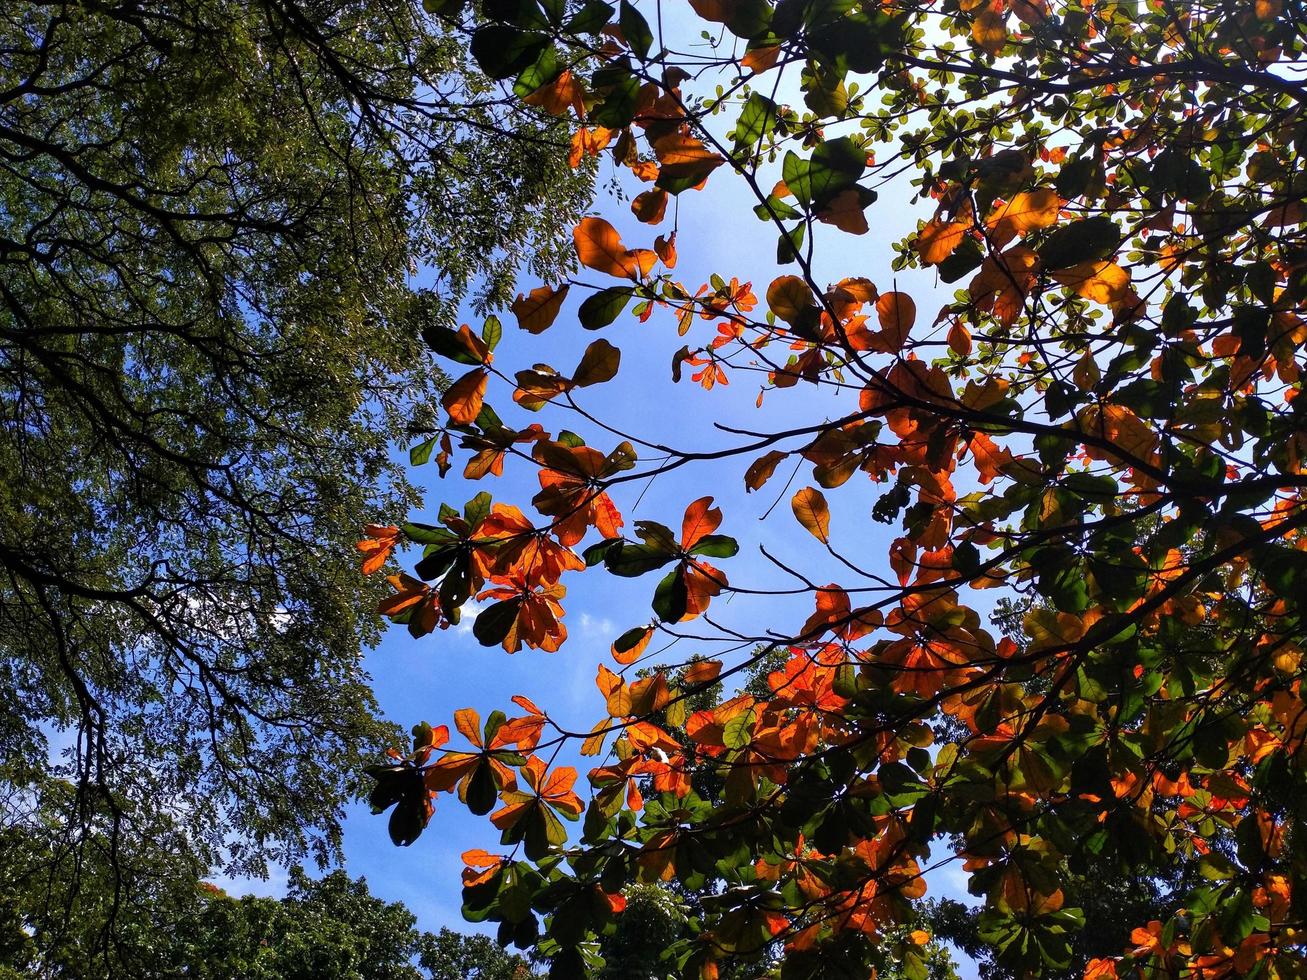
[
  {"x": 214, "y": 217},
  {"x": 136, "y": 906}
]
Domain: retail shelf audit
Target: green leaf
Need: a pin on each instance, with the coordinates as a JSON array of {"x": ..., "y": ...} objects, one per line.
[
  {"x": 593, "y": 16},
  {"x": 482, "y": 793},
  {"x": 1090, "y": 486},
  {"x": 756, "y": 121},
  {"x": 738, "y": 732},
  {"x": 619, "y": 90},
  {"x": 630, "y": 638},
  {"x": 834, "y": 166},
  {"x": 671, "y": 598},
  {"x": 546, "y": 68},
  {"x": 635, "y": 29},
  {"x": 493, "y": 623},
  {"x": 1073, "y": 179},
  {"x": 419, "y": 455},
  {"x": 503, "y": 51},
  {"x": 1080, "y": 241},
  {"x": 446, "y": 343},
  {"x": 856, "y": 43},
  {"x": 598, "y": 551},
  {"x": 964, "y": 259},
  {"x": 627, "y": 559},
  {"x": 789, "y": 246},
  {"x": 716, "y": 546}
]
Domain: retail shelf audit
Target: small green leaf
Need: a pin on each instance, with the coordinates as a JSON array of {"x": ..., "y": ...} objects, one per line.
[
  {"x": 493, "y": 623},
  {"x": 716, "y": 546},
  {"x": 635, "y": 29},
  {"x": 603, "y": 307},
  {"x": 671, "y": 598}
]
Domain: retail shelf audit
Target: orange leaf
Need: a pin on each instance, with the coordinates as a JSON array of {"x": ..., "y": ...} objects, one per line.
[
  {"x": 478, "y": 858},
  {"x": 665, "y": 249},
  {"x": 702, "y": 582},
  {"x": 557, "y": 791},
  {"x": 989, "y": 458},
  {"x": 702, "y": 671},
  {"x": 845, "y": 212},
  {"x": 938, "y": 240},
  {"x": 463, "y": 399},
  {"x": 377, "y": 548},
  {"x": 718, "y": 11},
  {"x": 685, "y": 158},
  {"x": 701, "y": 518},
  {"x": 761, "y": 470},
  {"x": 989, "y": 29},
  {"x": 558, "y": 95},
  {"x": 537, "y": 310},
  {"x": 650, "y": 206},
  {"x": 759, "y": 60},
  {"x": 524, "y": 702},
  {"x": 810, "y": 508},
  {"x": 633, "y": 654},
  {"x": 959, "y": 338},
  {"x": 897, "y": 314},
  {"x": 1026, "y": 212},
  {"x": 600, "y": 247}
]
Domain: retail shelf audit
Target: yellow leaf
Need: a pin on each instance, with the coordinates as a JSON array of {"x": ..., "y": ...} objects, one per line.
[
  {"x": 1049, "y": 629},
  {"x": 1101, "y": 282},
  {"x": 1024, "y": 213},
  {"x": 539, "y": 308},
  {"x": 788, "y": 297},
  {"x": 594, "y": 744},
  {"x": 616, "y": 694},
  {"x": 810, "y": 508}
]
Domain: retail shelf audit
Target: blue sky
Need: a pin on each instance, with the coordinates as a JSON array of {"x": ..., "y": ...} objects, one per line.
[{"x": 428, "y": 679}]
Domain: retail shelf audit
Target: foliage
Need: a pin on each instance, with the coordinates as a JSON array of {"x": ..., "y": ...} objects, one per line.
[
  {"x": 211, "y": 214},
  {"x": 167, "y": 922},
  {"x": 1103, "y": 420}
]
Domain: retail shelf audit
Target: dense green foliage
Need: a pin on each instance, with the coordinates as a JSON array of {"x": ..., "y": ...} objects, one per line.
[
  {"x": 214, "y": 217},
  {"x": 139, "y": 911}
]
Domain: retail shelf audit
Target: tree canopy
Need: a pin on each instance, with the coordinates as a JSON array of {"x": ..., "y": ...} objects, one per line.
[
  {"x": 223, "y": 226},
  {"x": 171, "y": 923},
  {"x": 1102, "y": 424}
]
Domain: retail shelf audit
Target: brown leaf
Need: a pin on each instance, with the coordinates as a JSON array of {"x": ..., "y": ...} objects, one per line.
[
  {"x": 537, "y": 310},
  {"x": 810, "y": 508}
]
